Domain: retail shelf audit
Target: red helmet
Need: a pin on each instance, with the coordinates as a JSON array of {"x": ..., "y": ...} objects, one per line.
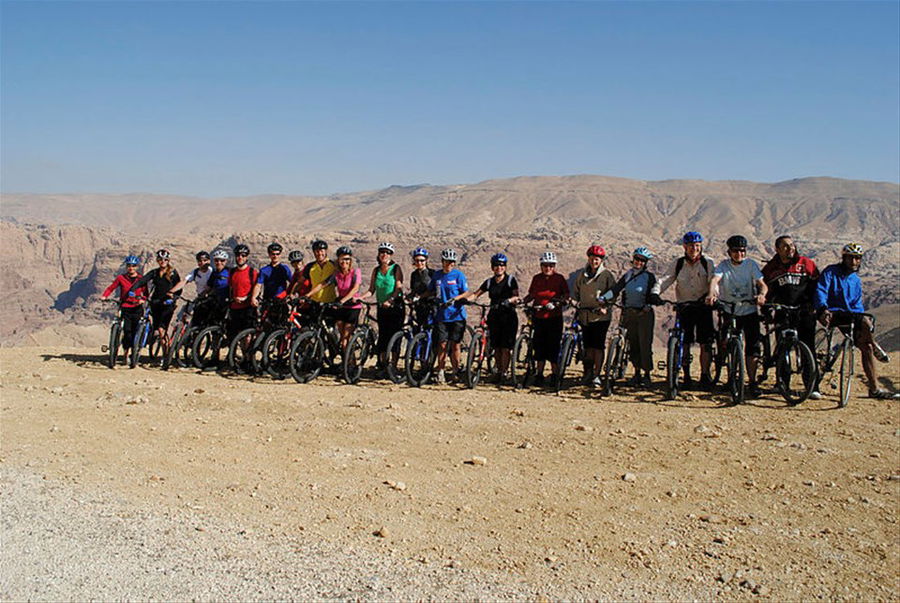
[{"x": 596, "y": 250}]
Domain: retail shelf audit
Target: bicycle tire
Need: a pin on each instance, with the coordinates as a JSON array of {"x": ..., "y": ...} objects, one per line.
[
  {"x": 115, "y": 340},
  {"x": 207, "y": 347},
  {"x": 613, "y": 364},
  {"x": 717, "y": 359},
  {"x": 257, "y": 354},
  {"x": 174, "y": 343},
  {"x": 566, "y": 351},
  {"x": 796, "y": 372},
  {"x": 846, "y": 374},
  {"x": 276, "y": 351},
  {"x": 736, "y": 370},
  {"x": 306, "y": 358},
  {"x": 474, "y": 360},
  {"x": 673, "y": 367},
  {"x": 396, "y": 356},
  {"x": 140, "y": 338},
  {"x": 420, "y": 360},
  {"x": 355, "y": 355},
  {"x": 522, "y": 362},
  {"x": 184, "y": 353},
  {"x": 238, "y": 358}
]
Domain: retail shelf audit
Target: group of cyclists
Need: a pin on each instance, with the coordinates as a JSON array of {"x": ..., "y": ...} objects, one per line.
[{"x": 438, "y": 297}]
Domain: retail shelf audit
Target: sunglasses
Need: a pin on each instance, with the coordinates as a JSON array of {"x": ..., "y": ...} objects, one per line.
[
  {"x": 131, "y": 265},
  {"x": 737, "y": 250},
  {"x": 497, "y": 265},
  {"x": 241, "y": 255},
  {"x": 218, "y": 260}
]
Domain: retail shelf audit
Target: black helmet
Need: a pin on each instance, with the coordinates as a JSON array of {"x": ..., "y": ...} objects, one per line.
[
  {"x": 344, "y": 250},
  {"x": 202, "y": 255},
  {"x": 274, "y": 247},
  {"x": 736, "y": 242},
  {"x": 318, "y": 244},
  {"x": 241, "y": 249},
  {"x": 162, "y": 254},
  {"x": 295, "y": 256}
]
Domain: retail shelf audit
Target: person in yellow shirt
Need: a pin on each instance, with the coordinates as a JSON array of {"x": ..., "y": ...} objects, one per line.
[{"x": 318, "y": 273}]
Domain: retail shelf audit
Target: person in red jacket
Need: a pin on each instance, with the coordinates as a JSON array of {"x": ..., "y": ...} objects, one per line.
[
  {"x": 549, "y": 291},
  {"x": 131, "y": 305}
]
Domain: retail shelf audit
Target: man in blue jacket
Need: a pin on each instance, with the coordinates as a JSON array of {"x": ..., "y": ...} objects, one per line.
[{"x": 839, "y": 292}]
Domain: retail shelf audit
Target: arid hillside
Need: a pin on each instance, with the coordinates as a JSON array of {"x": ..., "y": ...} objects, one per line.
[{"x": 66, "y": 248}]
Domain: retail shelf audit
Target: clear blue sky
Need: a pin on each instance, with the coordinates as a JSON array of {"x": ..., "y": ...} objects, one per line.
[{"x": 240, "y": 98}]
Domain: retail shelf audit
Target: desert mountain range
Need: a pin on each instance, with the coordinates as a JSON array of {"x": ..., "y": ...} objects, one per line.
[{"x": 63, "y": 249}]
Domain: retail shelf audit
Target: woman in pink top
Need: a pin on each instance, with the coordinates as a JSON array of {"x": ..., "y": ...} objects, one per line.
[{"x": 347, "y": 279}]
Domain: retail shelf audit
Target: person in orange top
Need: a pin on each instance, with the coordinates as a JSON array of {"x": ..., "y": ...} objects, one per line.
[{"x": 548, "y": 292}]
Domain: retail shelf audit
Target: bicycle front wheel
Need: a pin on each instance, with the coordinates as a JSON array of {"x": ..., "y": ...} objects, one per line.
[
  {"x": 275, "y": 352},
  {"x": 355, "y": 355},
  {"x": 673, "y": 367},
  {"x": 305, "y": 360},
  {"x": 796, "y": 372},
  {"x": 239, "y": 351},
  {"x": 736, "y": 370},
  {"x": 522, "y": 361},
  {"x": 566, "y": 352},
  {"x": 846, "y": 371},
  {"x": 115, "y": 340},
  {"x": 419, "y": 360},
  {"x": 141, "y": 335},
  {"x": 614, "y": 359},
  {"x": 474, "y": 360},
  {"x": 207, "y": 347},
  {"x": 396, "y": 356}
]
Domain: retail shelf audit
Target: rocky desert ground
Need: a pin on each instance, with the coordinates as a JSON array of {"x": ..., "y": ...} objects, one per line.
[{"x": 143, "y": 484}]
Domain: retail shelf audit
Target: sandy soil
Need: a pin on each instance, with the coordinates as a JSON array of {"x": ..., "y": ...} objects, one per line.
[{"x": 577, "y": 497}]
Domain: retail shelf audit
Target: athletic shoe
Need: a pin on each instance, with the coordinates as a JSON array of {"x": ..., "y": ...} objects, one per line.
[
  {"x": 597, "y": 382},
  {"x": 539, "y": 381},
  {"x": 635, "y": 381},
  {"x": 687, "y": 383},
  {"x": 883, "y": 394},
  {"x": 753, "y": 391},
  {"x": 552, "y": 381},
  {"x": 706, "y": 383},
  {"x": 815, "y": 395},
  {"x": 440, "y": 378}
]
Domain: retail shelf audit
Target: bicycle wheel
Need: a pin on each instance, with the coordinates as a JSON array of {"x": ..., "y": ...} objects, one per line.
[
  {"x": 141, "y": 335},
  {"x": 673, "y": 367},
  {"x": 257, "y": 354},
  {"x": 717, "y": 359},
  {"x": 184, "y": 354},
  {"x": 396, "y": 356},
  {"x": 736, "y": 370},
  {"x": 115, "y": 340},
  {"x": 356, "y": 354},
  {"x": 474, "y": 360},
  {"x": 275, "y": 352},
  {"x": 614, "y": 355},
  {"x": 306, "y": 357},
  {"x": 240, "y": 350},
  {"x": 566, "y": 352},
  {"x": 207, "y": 347},
  {"x": 420, "y": 360},
  {"x": 796, "y": 373},
  {"x": 522, "y": 361},
  {"x": 846, "y": 371},
  {"x": 174, "y": 343}
]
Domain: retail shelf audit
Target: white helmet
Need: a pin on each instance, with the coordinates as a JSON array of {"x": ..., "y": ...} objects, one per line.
[
  {"x": 389, "y": 247},
  {"x": 548, "y": 257},
  {"x": 220, "y": 254},
  {"x": 448, "y": 255}
]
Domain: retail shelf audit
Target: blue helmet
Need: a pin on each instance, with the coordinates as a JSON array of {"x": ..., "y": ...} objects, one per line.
[
  {"x": 419, "y": 251},
  {"x": 692, "y": 237},
  {"x": 132, "y": 260},
  {"x": 643, "y": 253},
  {"x": 498, "y": 259}
]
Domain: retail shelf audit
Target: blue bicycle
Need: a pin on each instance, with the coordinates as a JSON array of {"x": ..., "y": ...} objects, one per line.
[
  {"x": 398, "y": 346},
  {"x": 144, "y": 336},
  {"x": 422, "y": 352},
  {"x": 675, "y": 353},
  {"x": 571, "y": 348}
]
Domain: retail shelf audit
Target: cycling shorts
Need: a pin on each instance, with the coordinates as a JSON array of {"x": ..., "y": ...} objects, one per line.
[
  {"x": 347, "y": 315},
  {"x": 547, "y": 336},
  {"x": 162, "y": 314},
  {"x": 503, "y": 327},
  {"x": 697, "y": 324},
  {"x": 594, "y": 334},
  {"x": 749, "y": 325},
  {"x": 450, "y": 331}
]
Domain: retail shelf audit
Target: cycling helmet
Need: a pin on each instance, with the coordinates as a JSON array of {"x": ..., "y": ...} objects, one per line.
[
  {"x": 295, "y": 256},
  {"x": 241, "y": 250},
  {"x": 318, "y": 244},
  {"x": 596, "y": 250},
  {"x": 274, "y": 247},
  {"x": 132, "y": 260},
  {"x": 202, "y": 255},
  {"x": 852, "y": 249},
  {"x": 220, "y": 254},
  {"x": 162, "y": 254},
  {"x": 548, "y": 257},
  {"x": 499, "y": 259},
  {"x": 642, "y": 252},
  {"x": 419, "y": 251},
  {"x": 736, "y": 242},
  {"x": 692, "y": 237},
  {"x": 386, "y": 247},
  {"x": 448, "y": 255},
  {"x": 344, "y": 250}
]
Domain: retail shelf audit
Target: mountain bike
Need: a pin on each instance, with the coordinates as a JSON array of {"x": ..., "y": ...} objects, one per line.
[
  {"x": 398, "y": 344},
  {"x": 361, "y": 346},
  {"x": 144, "y": 336},
  {"x": 796, "y": 372},
  {"x": 422, "y": 351},
  {"x": 179, "y": 343},
  {"x": 116, "y": 330},
  {"x": 522, "y": 363},
  {"x": 731, "y": 346},
  {"x": 316, "y": 347},
  {"x": 479, "y": 349},
  {"x": 617, "y": 354},
  {"x": 208, "y": 344},
  {"x": 245, "y": 352},
  {"x": 276, "y": 348},
  {"x": 570, "y": 349},
  {"x": 675, "y": 352},
  {"x": 831, "y": 352}
]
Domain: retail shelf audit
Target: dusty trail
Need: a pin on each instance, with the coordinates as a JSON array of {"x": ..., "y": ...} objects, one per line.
[{"x": 758, "y": 500}]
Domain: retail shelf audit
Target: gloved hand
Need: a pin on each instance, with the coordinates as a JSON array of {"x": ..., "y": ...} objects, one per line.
[{"x": 131, "y": 294}]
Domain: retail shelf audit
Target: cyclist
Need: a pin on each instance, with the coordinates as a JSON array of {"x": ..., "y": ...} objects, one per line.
[
  {"x": 691, "y": 274},
  {"x": 200, "y": 277},
  {"x": 450, "y": 286},
  {"x": 419, "y": 281},
  {"x": 791, "y": 279},
  {"x": 737, "y": 279},
  {"x": 639, "y": 291},
  {"x": 593, "y": 281},
  {"x": 163, "y": 280},
  {"x": 503, "y": 323},
  {"x": 241, "y": 282},
  {"x": 839, "y": 289},
  {"x": 386, "y": 284},
  {"x": 317, "y": 273},
  {"x": 131, "y": 305},
  {"x": 547, "y": 291},
  {"x": 346, "y": 280},
  {"x": 217, "y": 285},
  {"x": 299, "y": 280}
]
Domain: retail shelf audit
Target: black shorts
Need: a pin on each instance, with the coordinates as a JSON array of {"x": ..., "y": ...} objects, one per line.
[
  {"x": 390, "y": 320},
  {"x": 240, "y": 319},
  {"x": 450, "y": 331},
  {"x": 161, "y": 313},
  {"x": 547, "y": 336},
  {"x": 350, "y": 315},
  {"x": 749, "y": 325},
  {"x": 503, "y": 327},
  {"x": 697, "y": 324},
  {"x": 594, "y": 334},
  {"x": 863, "y": 327}
]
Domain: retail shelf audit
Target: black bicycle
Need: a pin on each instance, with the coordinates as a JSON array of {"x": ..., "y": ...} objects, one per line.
[
  {"x": 361, "y": 346},
  {"x": 731, "y": 346},
  {"x": 618, "y": 351},
  {"x": 829, "y": 352},
  {"x": 398, "y": 345},
  {"x": 796, "y": 373},
  {"x": 676, "y": 358},
  {"x": 316, "y": 347}
]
